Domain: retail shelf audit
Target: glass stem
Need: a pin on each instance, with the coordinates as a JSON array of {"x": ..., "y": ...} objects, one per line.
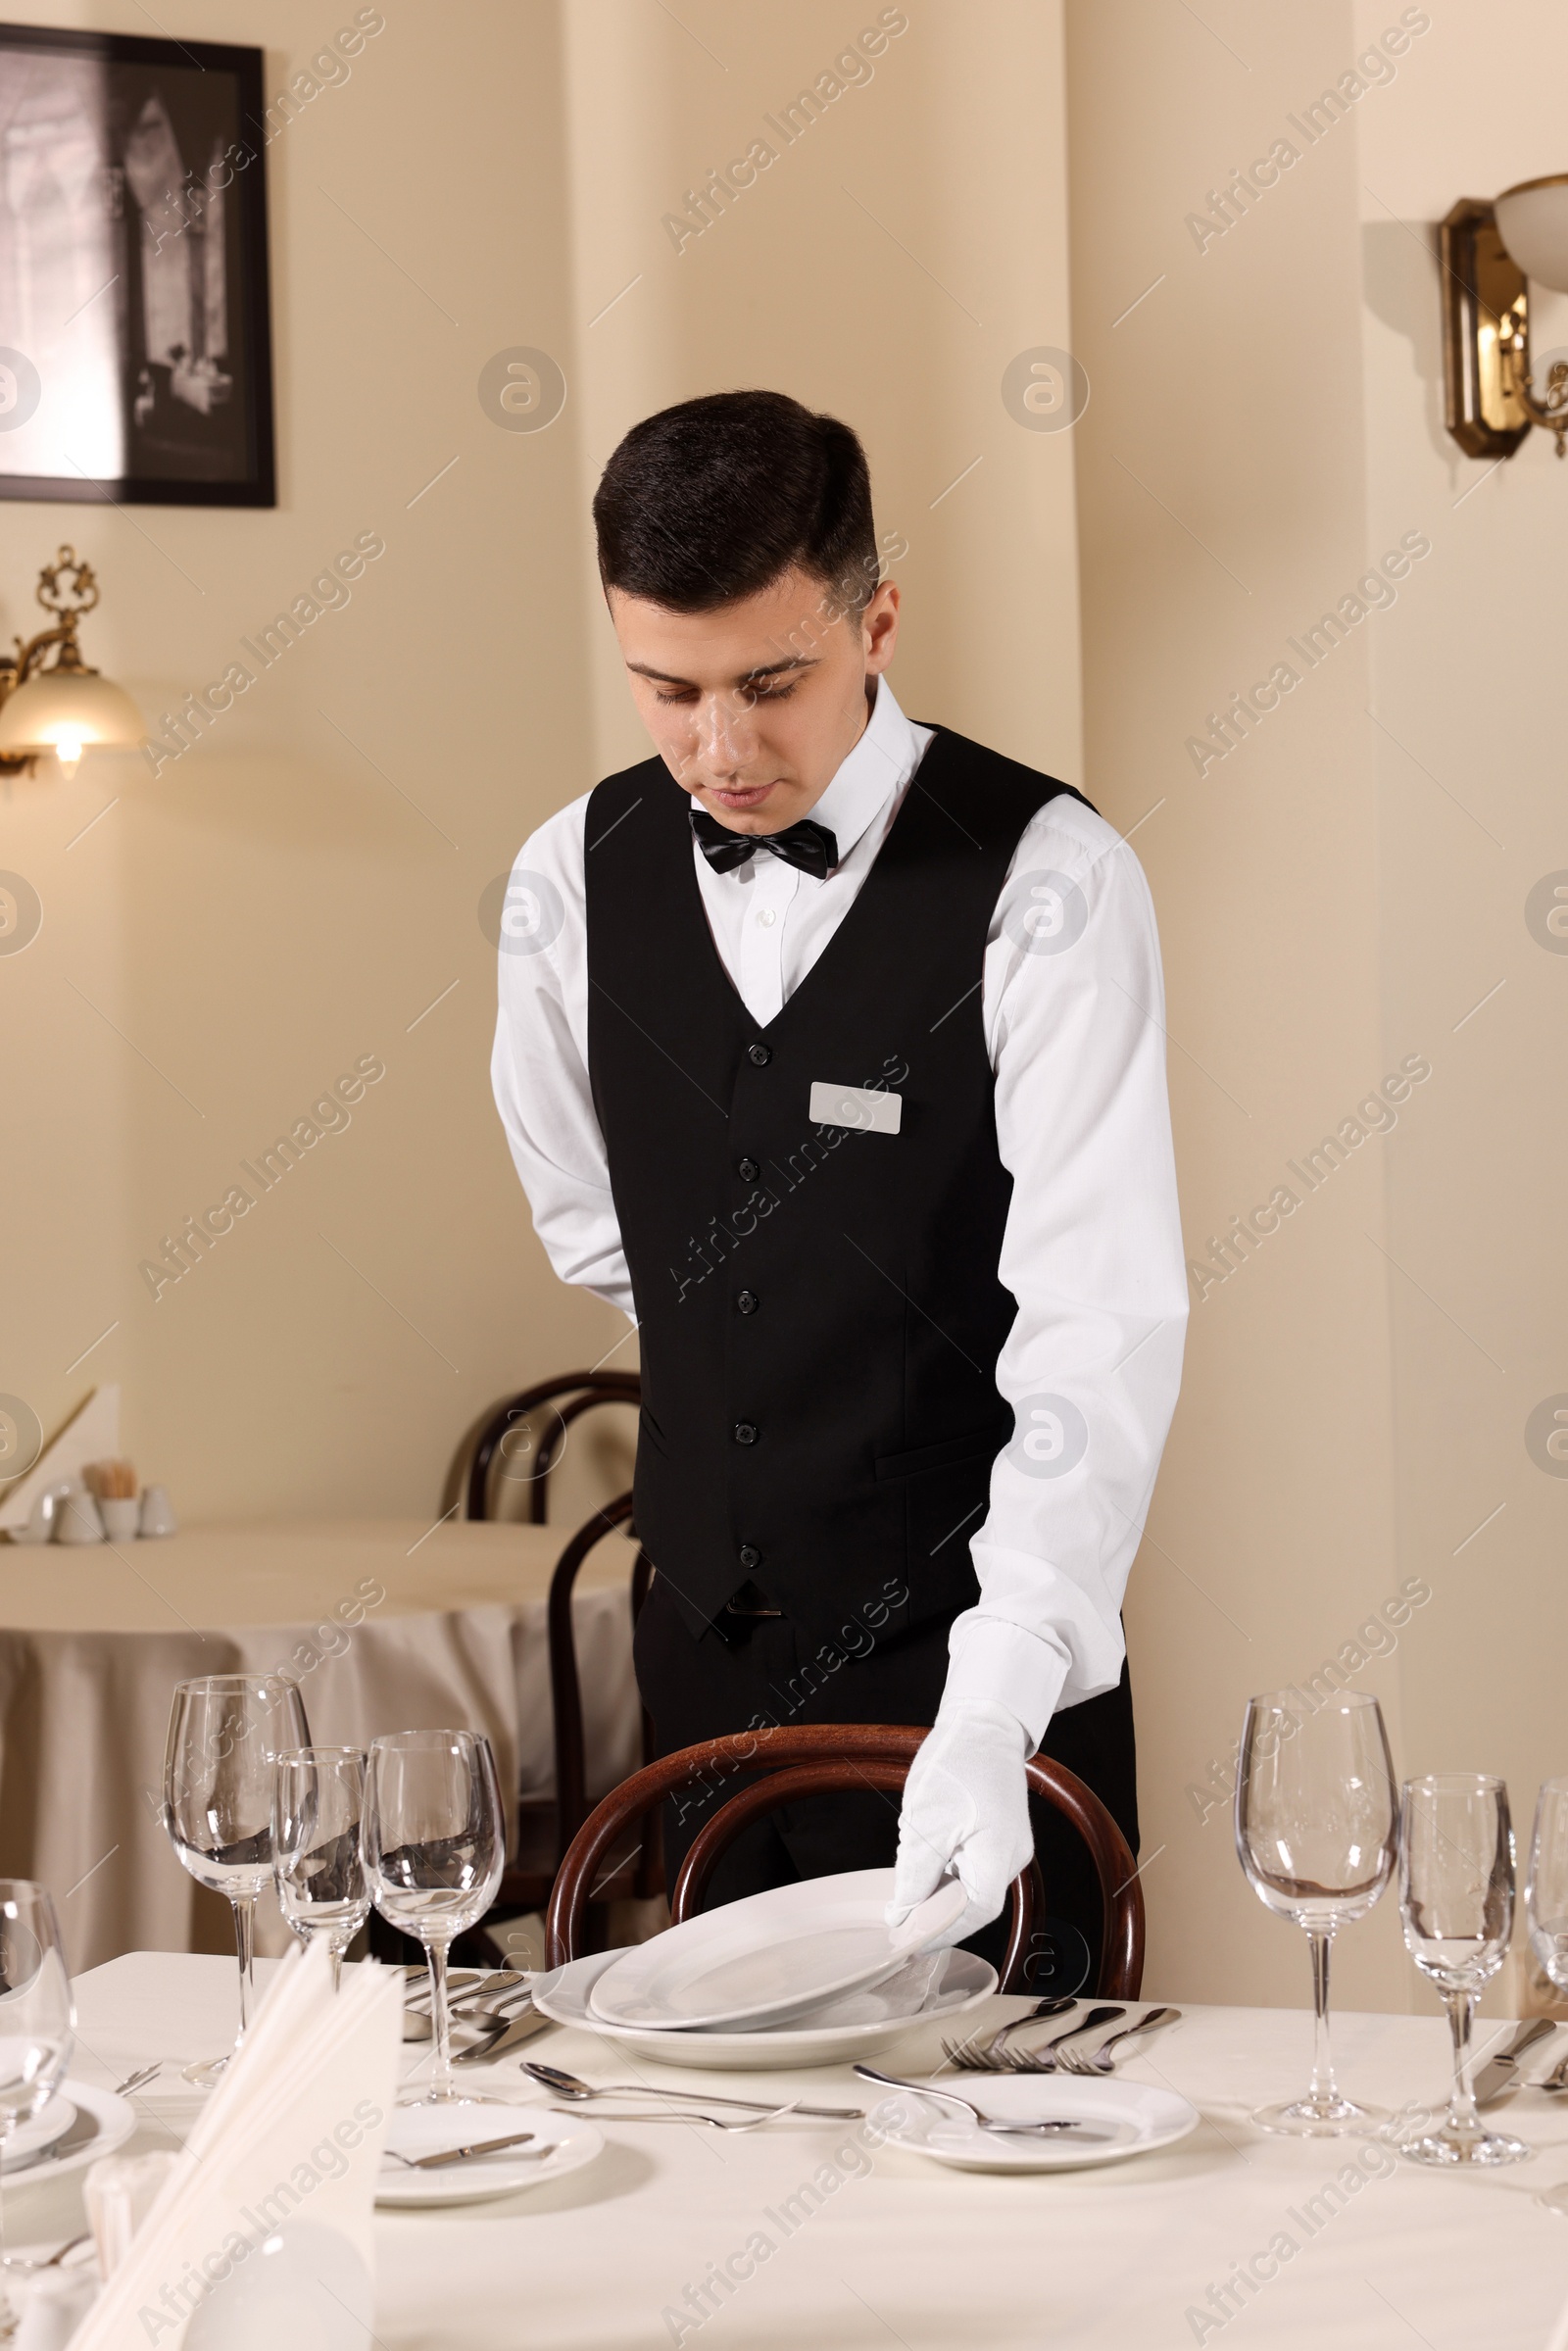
[
  {"x": 1325, "y": 2091},
  {"x": 8, "y": 2314},
  {"x": 441, "y": 2019},
  {"x": 337, "y": 1966},
  {"x": 245, "y": 1948},
  {"x": 1462, "y": 2007}
]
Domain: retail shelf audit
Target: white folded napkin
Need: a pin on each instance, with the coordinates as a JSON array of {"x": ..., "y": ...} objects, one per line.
[{"x": 289, "y": 2145}]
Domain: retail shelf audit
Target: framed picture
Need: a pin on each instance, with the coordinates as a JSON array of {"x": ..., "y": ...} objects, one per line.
[{"x": 136, "y": 350}]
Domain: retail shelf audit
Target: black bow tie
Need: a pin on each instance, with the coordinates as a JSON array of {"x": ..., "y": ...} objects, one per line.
[{"x": 807, "y": 844}]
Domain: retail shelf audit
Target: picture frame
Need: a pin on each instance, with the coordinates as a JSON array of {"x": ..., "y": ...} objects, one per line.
[{"x": 135, "y": 326}]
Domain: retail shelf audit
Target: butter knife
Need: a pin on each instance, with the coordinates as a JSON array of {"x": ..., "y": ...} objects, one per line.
[{"x": 1501, "y": 2073}]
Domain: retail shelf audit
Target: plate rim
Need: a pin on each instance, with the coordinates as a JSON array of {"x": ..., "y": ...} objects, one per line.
[
  {"x": 1053, "y": 2157},
  {"x": 117, "y": 2119}
]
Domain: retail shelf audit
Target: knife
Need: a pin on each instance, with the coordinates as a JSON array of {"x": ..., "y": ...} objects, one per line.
[
  {"x": 521, "y": 2028},
  {"x": 1501, "y": 2073}
]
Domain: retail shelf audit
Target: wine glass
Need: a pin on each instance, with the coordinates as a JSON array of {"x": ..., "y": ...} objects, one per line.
[
  {"x": 38, "y": 2023},
  {"x": 1315, "y": 1833},
  {"x": 226, "y": 1733},
  {"x": 318, "y": 1853},
  {"x": 434, "y": 1846},
  {"x": 1546, "y": 1908},
  {"x": 1456, "y": 1900}
]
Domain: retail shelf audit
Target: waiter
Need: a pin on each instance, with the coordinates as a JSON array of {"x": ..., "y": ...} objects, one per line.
[{"x": 830, "y": 1048}]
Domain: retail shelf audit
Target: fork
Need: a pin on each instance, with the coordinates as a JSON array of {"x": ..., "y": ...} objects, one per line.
[
  {"x": 971, "y": 2055},
  {"x": 715, "y": 2122},
  {"x": 1042, "y": 2060},
  {"x": 1101, "y": 2061},
  {"x": 1556, "y": 2079},
  {"x": 140, "y": 2079}
]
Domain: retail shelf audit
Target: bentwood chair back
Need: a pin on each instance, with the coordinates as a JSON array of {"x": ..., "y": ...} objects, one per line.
[
  {"x": 531, "y": 1428},
  {"x": 830, "y": 1759}
]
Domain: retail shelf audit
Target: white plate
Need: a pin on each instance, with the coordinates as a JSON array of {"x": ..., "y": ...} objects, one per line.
[
  {"x": 768, "y": 1957},
  {"x": 963, "y": 1983},
  {"x": 422, "y": 2130},
  {"x": 100, "y": 2123},
  {"x": 1138, "y": 2118},
  {"x": 30, "y": 2140}
]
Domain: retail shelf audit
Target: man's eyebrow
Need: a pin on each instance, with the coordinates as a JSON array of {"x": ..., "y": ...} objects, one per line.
[{"x": 664, "y": 677}]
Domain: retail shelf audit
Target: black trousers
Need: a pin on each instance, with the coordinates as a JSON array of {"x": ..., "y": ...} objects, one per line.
[{"x": 747, "y": 1671}]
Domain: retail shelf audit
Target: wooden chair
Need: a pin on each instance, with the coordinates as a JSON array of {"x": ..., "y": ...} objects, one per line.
[
  {"x": 826, "y": 1758},
  {"x": 582, "y": 1392}
]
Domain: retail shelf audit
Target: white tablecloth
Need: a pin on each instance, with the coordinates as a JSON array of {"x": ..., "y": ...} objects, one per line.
[
  {"x": 897, "y": 2251},
  {"x": 387, "y": 1625}
]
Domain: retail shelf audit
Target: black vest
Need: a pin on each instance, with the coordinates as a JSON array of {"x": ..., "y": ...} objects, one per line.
[{"x": 819, "y": 1307}]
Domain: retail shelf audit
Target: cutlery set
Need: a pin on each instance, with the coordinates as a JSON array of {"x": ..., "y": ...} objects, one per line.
[{"x": 990, "y": 2053}]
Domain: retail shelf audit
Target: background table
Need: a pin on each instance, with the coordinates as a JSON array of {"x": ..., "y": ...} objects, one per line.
[
  {"x": 95, "y": 1638},
  {"x": 901, "y": 2252}
]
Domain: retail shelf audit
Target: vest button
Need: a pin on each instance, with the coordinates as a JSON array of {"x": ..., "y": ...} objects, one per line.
[
  {"x": 748, "y": 1170},
  {"x": 745, "y": 1432},
  {"x": 748, "y": 1301},
  {"x": 762, "y": 1055},
  {"x": 750, "y": 1556}
]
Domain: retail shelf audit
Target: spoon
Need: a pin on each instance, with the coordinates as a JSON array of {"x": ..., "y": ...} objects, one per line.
[
  {"x": 567, "y": 2086},
  {"x": 986, "y": 2122}
]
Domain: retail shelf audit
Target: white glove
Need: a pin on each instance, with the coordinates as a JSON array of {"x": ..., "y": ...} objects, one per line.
[{"x": 966, "y": 1812}]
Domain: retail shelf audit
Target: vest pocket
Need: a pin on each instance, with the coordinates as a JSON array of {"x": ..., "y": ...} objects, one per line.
[{"x": 949, "y": 1455}]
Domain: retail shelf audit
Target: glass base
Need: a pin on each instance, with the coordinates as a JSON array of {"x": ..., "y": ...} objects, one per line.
[
  {"x": 1451, "y": 2145},
  {"x": 453, "y": 2097},
  {"x": 1554, "y": 2199},
  {"x": 1320, "y": 2118},
  {"x": 206, "y": 2072}
]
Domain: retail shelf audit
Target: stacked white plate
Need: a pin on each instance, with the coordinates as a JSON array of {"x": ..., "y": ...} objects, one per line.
[{"x": 805, "y": 1975}]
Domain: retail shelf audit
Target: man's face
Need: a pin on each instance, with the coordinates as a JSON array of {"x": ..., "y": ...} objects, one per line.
[{"x": 752, "y": 707}]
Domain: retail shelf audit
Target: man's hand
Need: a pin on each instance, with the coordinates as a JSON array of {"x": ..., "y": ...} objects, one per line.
[{"x": 965, "y": 1809}]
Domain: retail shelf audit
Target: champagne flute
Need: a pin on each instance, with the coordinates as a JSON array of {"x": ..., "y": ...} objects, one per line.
[
  {"x": 1456, "y": 1900},
  {"x": 1546, "y": 1908},
  {"x": 1315, "y": 1833},
  {"x": 434, "y": 1846},
  {"x": 37, "y": 2024},
  {"x": 318, "y": 1849},
  {"x": 226, "y": 1733}
]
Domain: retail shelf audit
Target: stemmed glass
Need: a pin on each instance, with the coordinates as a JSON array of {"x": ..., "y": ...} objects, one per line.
[
  {"x": 434, "y": 1846},
  {"x": 225, "y": 1734},
  {"x": 1456, "y": 1900},
  {"x": 1546, "y": 1908},
  {"x": 38, "y": 2023},
  {"x": 1315, "y": 1833},
  {"x": 318, "y": 1851}
]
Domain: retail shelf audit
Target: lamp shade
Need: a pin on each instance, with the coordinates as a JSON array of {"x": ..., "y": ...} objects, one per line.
[
  {"x": 1533, "y": 222},
  {"x": 69, "y": 711}
]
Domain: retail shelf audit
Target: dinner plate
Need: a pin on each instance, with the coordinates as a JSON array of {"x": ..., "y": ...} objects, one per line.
[
  {"x": 1137, "y": 2120},
  {"x": 100, "y": 2123},
  {"x": 769, "y": 1957},
  {"x": 961, "y": 1983},
  {"x": 424, "y": 2130},
  {"x": 29, "y": 2139}
]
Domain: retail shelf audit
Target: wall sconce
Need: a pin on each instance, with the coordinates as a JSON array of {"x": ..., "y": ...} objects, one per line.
[
  {"x": 62, "y": 707},
  {"x": 1489, "y": 252}
]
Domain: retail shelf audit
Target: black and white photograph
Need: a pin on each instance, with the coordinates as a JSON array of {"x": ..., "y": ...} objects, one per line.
[{"x": 134, "y": 346}]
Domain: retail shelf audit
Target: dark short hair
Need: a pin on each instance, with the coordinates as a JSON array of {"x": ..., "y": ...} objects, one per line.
[{"x": 717, "y": 498}]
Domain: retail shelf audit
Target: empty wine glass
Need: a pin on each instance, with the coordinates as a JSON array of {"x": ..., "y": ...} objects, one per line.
[
  {"x": 1315, "y": 1833},
  {"x": 38, "y": 2023},
  {"x": 225, "y": 1734},
  {"x": 1456, "y": 1900},
  {"x": 434, "y": 1846},
  {"x": 318, "y": 1851},
  {"x": 1546, "y": 1908}
]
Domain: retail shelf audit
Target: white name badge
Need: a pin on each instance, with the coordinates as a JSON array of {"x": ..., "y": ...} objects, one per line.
[{"x": 868, "y": 1106}]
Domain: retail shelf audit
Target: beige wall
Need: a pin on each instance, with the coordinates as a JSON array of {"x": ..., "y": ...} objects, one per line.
[
  {"x": 1338, "y": 892},
  {"x": 1261, "y": 426}
]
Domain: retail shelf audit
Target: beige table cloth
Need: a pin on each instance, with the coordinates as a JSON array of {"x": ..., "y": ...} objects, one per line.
[
  {"x": 387, "y": 1626},
  {"x": 659, "y": 2242}
]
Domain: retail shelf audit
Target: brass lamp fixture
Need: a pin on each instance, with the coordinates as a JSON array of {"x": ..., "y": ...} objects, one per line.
[
  {"x": 1491, "y": 253},
  {"x": 61, "y": 706}
]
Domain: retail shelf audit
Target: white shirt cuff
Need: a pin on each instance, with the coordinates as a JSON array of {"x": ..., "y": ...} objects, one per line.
[{"x": 991, "y": 1658}]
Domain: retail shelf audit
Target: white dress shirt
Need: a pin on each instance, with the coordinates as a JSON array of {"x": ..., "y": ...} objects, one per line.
[{"x": 1073, "y": 1009}]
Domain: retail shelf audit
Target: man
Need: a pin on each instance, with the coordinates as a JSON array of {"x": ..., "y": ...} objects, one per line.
[{"x": 830, "y": 1048}]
